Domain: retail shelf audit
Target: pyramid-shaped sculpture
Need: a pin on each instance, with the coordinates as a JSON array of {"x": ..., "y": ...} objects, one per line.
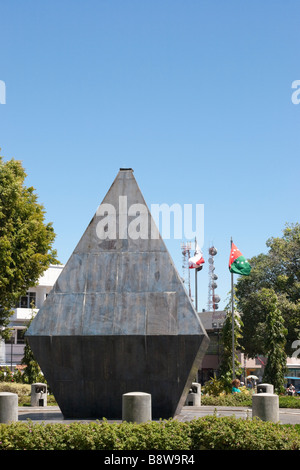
[{"x": 118, "y": 318}]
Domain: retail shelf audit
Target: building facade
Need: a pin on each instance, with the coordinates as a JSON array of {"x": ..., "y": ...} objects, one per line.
[
  {"x": 213, "y": 324},
  {"x": 12, "y": 351}
]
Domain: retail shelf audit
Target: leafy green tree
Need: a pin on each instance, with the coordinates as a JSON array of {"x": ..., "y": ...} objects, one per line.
[
  {"x": 25, "y": 239},
  {"x": 226, "y": 370},
  {"x": 278, "y": 271},
  {"x": 32, "y": 372},
  {"x": 275, "y": 339}
]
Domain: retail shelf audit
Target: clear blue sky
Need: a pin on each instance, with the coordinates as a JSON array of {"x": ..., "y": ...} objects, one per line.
[{"x": 194, "y": 95}]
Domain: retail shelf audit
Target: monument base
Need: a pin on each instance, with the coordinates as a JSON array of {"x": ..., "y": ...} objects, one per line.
[{"x": 89, "y": 374}]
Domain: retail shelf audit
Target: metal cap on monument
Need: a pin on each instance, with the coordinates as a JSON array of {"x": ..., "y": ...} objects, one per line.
[{"x": 118, "y": 318}]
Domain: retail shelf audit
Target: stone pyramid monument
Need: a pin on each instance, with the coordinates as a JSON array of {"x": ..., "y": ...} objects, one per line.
[{"x": 118, "y": 318}]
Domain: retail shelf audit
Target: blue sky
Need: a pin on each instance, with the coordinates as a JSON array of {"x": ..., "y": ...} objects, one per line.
[{"x": 194, "y": 95}]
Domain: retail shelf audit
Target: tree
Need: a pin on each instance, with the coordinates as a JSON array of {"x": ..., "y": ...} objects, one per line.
[
  {"x": 275, "y": 339},
  {"x": 226, "y": 372},
  {"x": 25, "y": 238},
  {"x": 278, "y": 271},
  {"x": 32, "y": 372}
]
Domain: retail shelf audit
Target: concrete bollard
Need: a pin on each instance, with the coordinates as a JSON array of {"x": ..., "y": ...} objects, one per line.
[
  {"x": 38, "y": 394},
  {"x": 265, "y": 406},
  {"x": 194, "y": 396},
  {"x": 8, "y": 407},
  {"x": 265, "y": 388},
  {"x": 136, "y": 407}
]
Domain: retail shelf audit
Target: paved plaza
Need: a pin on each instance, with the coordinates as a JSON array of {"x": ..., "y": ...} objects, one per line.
[{"x": 52, "y": 414}]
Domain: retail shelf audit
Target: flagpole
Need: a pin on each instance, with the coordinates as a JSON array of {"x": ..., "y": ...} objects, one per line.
[
  {"x": 196, "y": 283},
  {"x": 196, "y": 291},
  {"x": 232, "y": 321}
]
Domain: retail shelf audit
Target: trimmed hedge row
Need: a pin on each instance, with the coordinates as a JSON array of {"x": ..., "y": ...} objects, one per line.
[
  {"x": 210, "y": 432},
  {"x": 240, "y": 399}
]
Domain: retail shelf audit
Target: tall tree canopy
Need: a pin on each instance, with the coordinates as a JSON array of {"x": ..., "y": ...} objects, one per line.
[
  {"x": 275, "y": 339},
  {"x": 279, "y": 272},
  {"x": 25, "y": 238},
  {"x": 226, "y": 366}
]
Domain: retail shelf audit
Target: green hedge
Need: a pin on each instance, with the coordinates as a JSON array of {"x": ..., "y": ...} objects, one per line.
[
  {"x": 239, "y": 399},
  {"x": 22, "y": 390},
  {"x": 209, "y": 432},
  {"x": 289, "y": 402}
]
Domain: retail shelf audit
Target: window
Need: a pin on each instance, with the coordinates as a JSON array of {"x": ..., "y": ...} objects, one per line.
[
  {"x": 17, "y": 336},
  {"x": 20, "y": 336},
  {"x": 26, "y": 301},
  {"x": 11, "y": 339}
]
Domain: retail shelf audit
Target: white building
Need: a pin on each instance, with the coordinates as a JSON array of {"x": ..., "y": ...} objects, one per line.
[{"x": 11, "y": 353}]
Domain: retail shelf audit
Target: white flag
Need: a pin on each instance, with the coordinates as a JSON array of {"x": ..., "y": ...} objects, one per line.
[{"x": 197, "y": 260}]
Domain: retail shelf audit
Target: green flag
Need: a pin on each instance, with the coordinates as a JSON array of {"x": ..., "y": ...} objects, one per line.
[{"x": 238, "y": 263}]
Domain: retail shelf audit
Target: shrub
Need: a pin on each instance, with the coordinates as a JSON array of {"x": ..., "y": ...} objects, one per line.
[
  {"x": 245, "y": 399},
  {"x": 209, "y": 432},
  {"x": 237, "y": 399},
  {"x": 230, "y": 433},
  {"x": 159, "y": 435},
  {"x": 289, "y": 402},
  {"x": 6, "y": 374},
  {"x": 22, "y": 390},
  {"x": 215, "y": 387}
]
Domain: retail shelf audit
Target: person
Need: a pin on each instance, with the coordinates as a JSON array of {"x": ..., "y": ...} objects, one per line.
[
  {"x": 235, "y": 386},
  {"x": 291, "y": 390}
]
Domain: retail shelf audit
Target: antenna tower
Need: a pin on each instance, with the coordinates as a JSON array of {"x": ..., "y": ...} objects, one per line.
[
  {"x": 186, "y": 254},
  {"x": 213, "y": 299}
]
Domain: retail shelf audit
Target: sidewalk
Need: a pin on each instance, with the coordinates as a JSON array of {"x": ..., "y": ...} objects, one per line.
[{"x": 52, "y": 414}]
